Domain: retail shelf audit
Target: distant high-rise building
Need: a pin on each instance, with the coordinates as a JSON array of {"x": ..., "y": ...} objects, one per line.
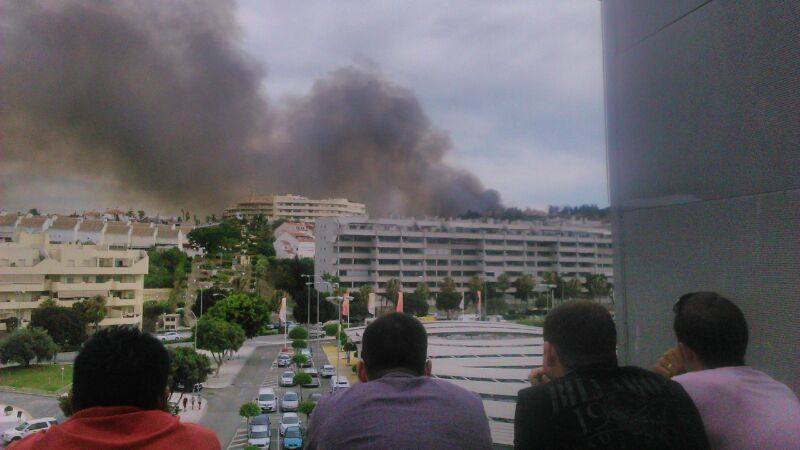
[
  {"x": 294, "y": 208},
  {"x": 373, "y": 251}
]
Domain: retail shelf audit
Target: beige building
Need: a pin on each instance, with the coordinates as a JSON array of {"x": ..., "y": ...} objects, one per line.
[
  {"x": 373, "y": 251},
  {"x": 294, "y": 208},
  {"x": 32, "y": 270}
]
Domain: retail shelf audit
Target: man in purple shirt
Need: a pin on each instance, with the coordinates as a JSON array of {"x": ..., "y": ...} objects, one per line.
[
  {"x": 398, "y": 405},
  {"x": 741, "y": 407}
]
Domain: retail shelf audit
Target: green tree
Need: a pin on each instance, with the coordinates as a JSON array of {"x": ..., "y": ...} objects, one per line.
[
  {"x": 218, "y": 337},
  {"x": 214, "y": 238},
  {"x": 496, "y": 305},
  {"x": 297, "y": 344},
  {"x": 210, "y": 297},
  {"x": 571, "y": 288},
  {"x": 393, "y": 290},
  {"x": 65, "y": 325},
  {"x": 448, "y": 298},
  {"x": 306, "y": 407},
  {"x": 246, "y": 310},
  {"x": 417, "y": 302},
  {"x": 524, "y": 287},
  {"x": 93, "y": 310},
  {"x": 187, "y": 367},
  {"x": 301, "y": 378},
  {"x": 249, "y": 410},
  {"x": 298, "y": 333},
  {"x": 25, "y": 344},
  {"x": 299, "y": 359},
  {"x": 597, "y": 285},
  {"x": 167, "y": 269},
  {"x": 287, "y": 275},
  {"x": 503, "y": 283},
  {"x": 12, "y": 323},
  {"x": 363, "y": 291},
  {"x": 331, "y": 329}
]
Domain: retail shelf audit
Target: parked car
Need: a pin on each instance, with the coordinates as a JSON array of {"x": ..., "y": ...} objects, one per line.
[
  {"x": 259, "y": 436},
  {"x": 169, "y": 336},
  {"x": 292, "y": 438},
  {"x": 287, "y": 378},
  {"x": 266, "y": 400},
  {"x": 338, "y": 383},
  {"x": 258, "y": 421},
  {"x": 289, "y": 419},
  {"x": 314, "y": 383},
  {"x": 284, "y": 360},
  {"x": 326, "y": 371},
  {"x": 306, "y": 352},
  {"x": 290, "y": 401},
  {"x": 26, "y": 428},
  {"x": 314, "y": 397}
]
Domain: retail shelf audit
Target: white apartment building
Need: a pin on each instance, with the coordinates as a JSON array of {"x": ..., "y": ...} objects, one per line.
[
  {"x": 373, "y": 251},
  {"x": 294, "y": 208},
  {"x": 32, "y": 269}
]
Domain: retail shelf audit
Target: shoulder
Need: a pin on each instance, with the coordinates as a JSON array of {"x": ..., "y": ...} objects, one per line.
[{"x": 200, "y": 435}]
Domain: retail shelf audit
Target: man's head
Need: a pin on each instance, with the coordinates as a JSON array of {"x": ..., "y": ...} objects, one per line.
[
  {"x": 120, "y": 366},
  {"x": 578, "y": 334},
  {"x": 711, "y": 331},
  {"x": 393, "y": 342}
]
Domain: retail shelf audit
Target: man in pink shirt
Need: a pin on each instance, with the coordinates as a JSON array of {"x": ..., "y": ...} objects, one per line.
[{"x": 742, "y": 408}]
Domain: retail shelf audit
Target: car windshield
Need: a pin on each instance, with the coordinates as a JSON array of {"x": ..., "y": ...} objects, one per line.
[
  {"x": 291, "y": 420},
  {"x": 266, "y": 397},
  {"x": 259, "y": 434},
  {"x": 288, "y": 374},
  {"x": 290, "y": 396},
  {"x": 21, "y": 426},
  {"x": 293, "y": 432}
]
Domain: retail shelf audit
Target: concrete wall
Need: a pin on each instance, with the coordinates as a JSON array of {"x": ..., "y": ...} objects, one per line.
[{"x": 704, "y": 161}]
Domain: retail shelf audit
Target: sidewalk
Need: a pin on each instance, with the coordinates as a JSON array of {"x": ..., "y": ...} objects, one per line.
[
  {"x": 190, "y": 415},
  {"x": 230, "y": 368},
  {"x": 344, "y": 368}
]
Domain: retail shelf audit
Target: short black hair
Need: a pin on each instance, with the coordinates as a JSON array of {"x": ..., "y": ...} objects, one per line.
[
  {"x": 583, "y": 333},
  {"x": 394, "y": 341},
  {"x": 713, "y": 327},
  {"x": 120, "y": 366}
]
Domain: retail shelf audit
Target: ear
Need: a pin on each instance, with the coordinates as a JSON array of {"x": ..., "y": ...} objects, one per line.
[
  {"x": 549, "y": 356},
  {"x": 361, "y": 370},
  {"x": 428, "y": 367}
]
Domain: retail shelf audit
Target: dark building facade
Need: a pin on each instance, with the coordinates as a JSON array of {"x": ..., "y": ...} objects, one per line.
[{"x": 703, "y": 135}]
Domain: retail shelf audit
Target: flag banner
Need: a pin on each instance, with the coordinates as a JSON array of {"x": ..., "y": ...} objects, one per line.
[
  {"x": 479, "y": 303},
  {"x": 345, "y": 305},
  {"x": 371, "y": 303},
  {"x": 282, "y": 313},
  {"x": 399, "y": 302},
  {"x": 461, "y": 305}
]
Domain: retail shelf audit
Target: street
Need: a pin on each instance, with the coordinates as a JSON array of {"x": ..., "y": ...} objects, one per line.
[{"x": 259, "y": 371}]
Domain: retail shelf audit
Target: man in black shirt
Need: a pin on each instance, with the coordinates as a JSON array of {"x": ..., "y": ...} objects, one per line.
[{"x": 581, "y": 398}]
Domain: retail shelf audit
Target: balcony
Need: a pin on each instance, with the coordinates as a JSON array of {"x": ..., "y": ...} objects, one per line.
[
  {"x": 116, "y": 301},
  {"x": 128, "y": 319},
  {"x": 18, "y": 305}
]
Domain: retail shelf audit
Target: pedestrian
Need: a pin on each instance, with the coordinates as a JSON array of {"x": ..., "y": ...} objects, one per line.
[
  {"x": 193, "y": 402},
  {"x": 185, "y": 401},
  {"x": 200, "y": 403}
]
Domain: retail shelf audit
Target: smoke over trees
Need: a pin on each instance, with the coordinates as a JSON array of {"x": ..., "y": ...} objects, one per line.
[{"x": 157, "y": 96}]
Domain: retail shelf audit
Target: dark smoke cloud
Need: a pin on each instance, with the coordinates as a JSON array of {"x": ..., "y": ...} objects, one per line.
[{"x": 158, "y": 94}]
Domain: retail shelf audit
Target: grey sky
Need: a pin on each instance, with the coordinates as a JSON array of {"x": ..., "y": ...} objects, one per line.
[{"x": 518, "y": 85}]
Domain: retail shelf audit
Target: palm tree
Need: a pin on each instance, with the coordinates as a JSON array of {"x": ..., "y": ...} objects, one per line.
[
  {"x": 393, "y": 290},
  {"x": 524, "y": 287}
]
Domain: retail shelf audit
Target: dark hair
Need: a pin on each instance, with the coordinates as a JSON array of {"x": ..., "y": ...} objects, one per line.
[
  {"x": 583, "y": 333},
  {"x": 394, "y": 341},
  {"x": 120, "y": 366},
  {"x": 713, "y": 327}
]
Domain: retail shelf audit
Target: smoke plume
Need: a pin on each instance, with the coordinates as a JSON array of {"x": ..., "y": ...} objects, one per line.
[{"x": 157, "y": 96}]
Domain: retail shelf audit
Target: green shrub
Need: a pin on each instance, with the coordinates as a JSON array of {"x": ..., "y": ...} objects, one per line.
[
  {"x": 306, "y": 407},
  {"x": 298, "y": 344},
  {"x": 330, "y": 329},
  {"x": 298, "y": 333}
]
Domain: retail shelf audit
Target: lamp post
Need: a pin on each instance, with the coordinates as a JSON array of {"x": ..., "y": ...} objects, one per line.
[
  {"x": 308, "y": 300},
  {"x": 337, "y": 299}
]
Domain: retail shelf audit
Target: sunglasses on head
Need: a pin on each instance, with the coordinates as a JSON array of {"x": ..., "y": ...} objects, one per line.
[{"x": 676, "y": 308}]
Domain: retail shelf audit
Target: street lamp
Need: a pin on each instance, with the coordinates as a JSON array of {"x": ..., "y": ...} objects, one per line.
[
  {"x": 308, "y": 300},
  {"x": 337, "y": 299}
]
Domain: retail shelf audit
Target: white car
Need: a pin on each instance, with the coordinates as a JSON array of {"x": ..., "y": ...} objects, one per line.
[
  {"x": 306, "y": 352},
  {"x": 289, "y": 419},
  {"x": 338, "y": 383},
  {"x": 26, "y": 428},
  {"x": 259, "y": 436},
  {"x": 290, "y": 401},
  {"x": 267, "y": 400},
  {"x": 169, "y": 336},
  {"x": 326, "y": 371},
  {"x": 287, "y": 379}
]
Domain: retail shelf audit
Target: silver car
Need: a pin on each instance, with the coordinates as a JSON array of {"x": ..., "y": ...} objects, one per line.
[
  {"x": 290, "y": 401},
  {"x": 287, "y": 378}
]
